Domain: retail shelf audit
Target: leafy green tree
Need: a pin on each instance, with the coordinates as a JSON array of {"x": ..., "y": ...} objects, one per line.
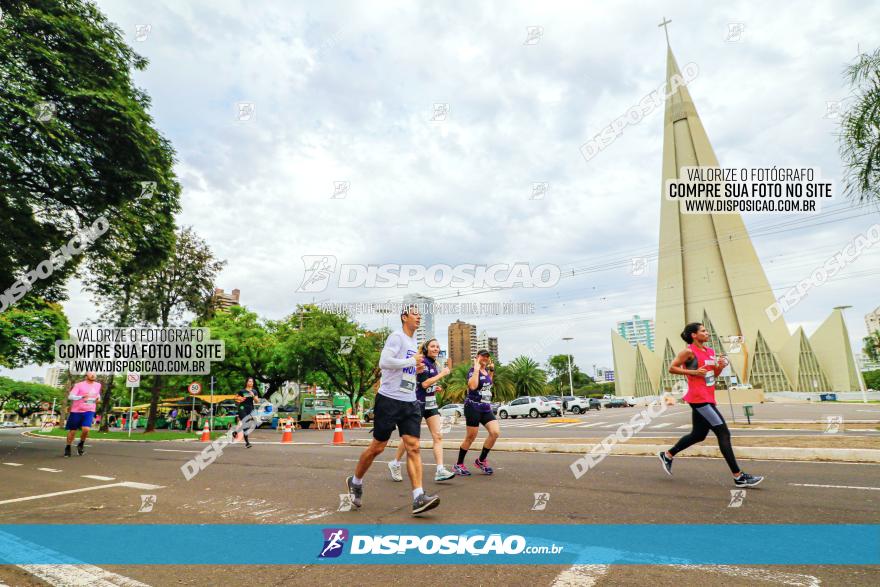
[
  {"x": 557, "y": 373},
  {"x": 25, "y": 397},
  {"x": 872, "y": 379},
  {"x": 251, "y": 349},
  {"x": 872, "y": 346},
  {"x": 860, "y": 129},
  {"x": 177, "y": 286},
  {"x": 76, "y": 143},
  {"x": 28, "y": 331},
  {"x": 315, "y": 337}
]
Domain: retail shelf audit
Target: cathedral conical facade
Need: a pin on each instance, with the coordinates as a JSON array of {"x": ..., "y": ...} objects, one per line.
[{"x": 709, "y": 272}]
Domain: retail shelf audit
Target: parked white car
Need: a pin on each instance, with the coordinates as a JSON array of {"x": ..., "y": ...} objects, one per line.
[
  {"x": 523, "y": 407},
  {"x": 576, "y": 404},
  {"x": 452, "y": 410}
]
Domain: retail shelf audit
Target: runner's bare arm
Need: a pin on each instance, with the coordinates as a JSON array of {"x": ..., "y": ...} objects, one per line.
[{"x": 683, "y": 357}]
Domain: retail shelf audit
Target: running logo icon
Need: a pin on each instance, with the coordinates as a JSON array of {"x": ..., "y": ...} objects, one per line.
[
  {"x": 737, "y": 497},
  {"x": 541, "y": 501},
  {"x": 334, "y": 541},
  {"x": 319, "y": 269}
]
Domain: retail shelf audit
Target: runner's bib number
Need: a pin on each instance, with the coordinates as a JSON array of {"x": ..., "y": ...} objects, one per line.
[
  {"x": 710, "y": 375},
  {"x": 486, "y": 394},
  {"x": 408, "y": 383},
  {"x": 430, "y": 402}
]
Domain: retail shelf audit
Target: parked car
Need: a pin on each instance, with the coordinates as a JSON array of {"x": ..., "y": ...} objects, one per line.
[
  {"x": 630, "y": 401},
  {"x": 452, "y": 410},
  {"x": 369, "y": 415},
  {"x": 617, "y": 402},
  {"x": 495, "y": 406},
  {"x": 595, "y": 404},
  {"x": 608, "y": 396},
  {"x": 555, "y": 404},
  {"x": 10, "y": 425},
  {"x": 575, "y": 404},
  {"x": 531, "y": 407}
]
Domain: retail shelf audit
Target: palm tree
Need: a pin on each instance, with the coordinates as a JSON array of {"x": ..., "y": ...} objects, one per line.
[
  {"x": 527, "y": 376},
  {"x": 860, "y": 130}
]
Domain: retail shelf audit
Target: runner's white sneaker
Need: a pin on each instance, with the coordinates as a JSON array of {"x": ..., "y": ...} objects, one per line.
[
  {"x": 443, "y": 474},
  {"x": 395, "y": 471}
]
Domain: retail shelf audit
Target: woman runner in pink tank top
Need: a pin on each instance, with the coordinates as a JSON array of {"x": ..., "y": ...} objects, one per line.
[{"x": 698, "y": 364}]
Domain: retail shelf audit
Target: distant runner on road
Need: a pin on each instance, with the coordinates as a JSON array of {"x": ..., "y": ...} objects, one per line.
[{"x": 85, "y": 396}]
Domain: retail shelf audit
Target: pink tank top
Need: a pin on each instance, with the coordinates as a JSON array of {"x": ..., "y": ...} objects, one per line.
[{"x": 701, "y": 389}]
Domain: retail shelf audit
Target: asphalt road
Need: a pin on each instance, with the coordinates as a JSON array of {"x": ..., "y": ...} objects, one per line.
[{"x": 283, "y": 484}]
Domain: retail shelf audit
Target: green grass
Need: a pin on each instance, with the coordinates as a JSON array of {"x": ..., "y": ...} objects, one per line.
[{"x": 135, "y": 435}]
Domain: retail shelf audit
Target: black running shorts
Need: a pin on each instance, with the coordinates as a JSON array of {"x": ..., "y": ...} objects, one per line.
[
  {"x": 391, "y": 414},
  {"x": 474, "y": 417}
]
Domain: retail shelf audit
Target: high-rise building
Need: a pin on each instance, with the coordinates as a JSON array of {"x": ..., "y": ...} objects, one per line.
[
  {"x": 708, "y": 272},
  {"x": 53, "y": 376},
  {"x": 223, "y": 300},
  {"x": 637, "y": 330},
  {"x": 462, "y": 342},
  {"x": 425, "y": 331},
  {"x": 872, "y": 321},
  {"x": 490, "y": 343}
]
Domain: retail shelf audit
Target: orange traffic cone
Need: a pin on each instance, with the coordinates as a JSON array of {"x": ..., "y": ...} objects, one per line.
[
  {"x": 287, "y": 437},
  {"x": 337, "y": 434},
  {"x": 206, "y": 433}
]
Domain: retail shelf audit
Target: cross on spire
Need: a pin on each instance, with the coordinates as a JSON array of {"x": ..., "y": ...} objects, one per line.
[{"x": 665, "y": 30}]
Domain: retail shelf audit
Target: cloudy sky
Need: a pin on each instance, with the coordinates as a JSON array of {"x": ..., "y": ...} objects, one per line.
[{"x": 346, "y": 92}]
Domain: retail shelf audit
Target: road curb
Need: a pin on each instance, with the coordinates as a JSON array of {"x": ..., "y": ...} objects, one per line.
[
  {"x": 91, "y": 439},
  {"x": 770, "y": 453}
]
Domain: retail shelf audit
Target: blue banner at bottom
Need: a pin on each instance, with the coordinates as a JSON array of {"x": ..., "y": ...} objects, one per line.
[{"x": 497, "y": 544}]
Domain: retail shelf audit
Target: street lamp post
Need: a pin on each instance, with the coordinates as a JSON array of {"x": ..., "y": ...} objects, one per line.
[
  {"x": 570, "y": 379},
  {"x": 855, "y": 359}
]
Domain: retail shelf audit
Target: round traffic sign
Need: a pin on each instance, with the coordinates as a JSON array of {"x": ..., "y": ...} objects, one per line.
[
  {"x": 133, "y": 379},
  {"x": 195, "y": 388}
]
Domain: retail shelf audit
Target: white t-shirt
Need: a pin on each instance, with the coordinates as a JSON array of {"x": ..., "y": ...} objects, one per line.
[{"x": 398, "y": 367}]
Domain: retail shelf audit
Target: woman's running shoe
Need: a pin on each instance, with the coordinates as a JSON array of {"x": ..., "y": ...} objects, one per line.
[
  {"x": 395, "y": 471},
  {"x": 667, "y": 462},
  {"x": 746, "y": 480},
  {"x": 461, "y": 470},
  {"x": 484, "y": 466}
]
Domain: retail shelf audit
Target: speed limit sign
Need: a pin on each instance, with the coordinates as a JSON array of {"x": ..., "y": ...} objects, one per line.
[{"x": 195, "y": 388}]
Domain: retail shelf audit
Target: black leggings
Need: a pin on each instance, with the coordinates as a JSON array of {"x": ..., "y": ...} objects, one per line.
[{"x": 707, "y": 417}]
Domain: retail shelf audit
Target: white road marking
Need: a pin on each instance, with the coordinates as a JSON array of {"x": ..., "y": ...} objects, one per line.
[
  {"x": 13, "y": 464},
  {"x": 569, "y": 425},
  {"x": 684, "y": 427},
  {"x": 662, "y": 425},
  {"x": 48, "y": 470},
  {"x": 591, "y": 425},
  {"x": 72, "y": 573},
  {"x": 69, "y": 575},
  {"x": 129, "y": 484},
  {"x": 768, "y": 575},
  {"x": 615, "y": 425},
  {"x": 580, "y": 576},
  {"x": 98, "y": 477},
  {"x": 835, "y": 486}
]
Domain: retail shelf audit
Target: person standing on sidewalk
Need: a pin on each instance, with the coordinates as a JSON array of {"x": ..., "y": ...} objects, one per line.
[{"x": 85, "y": 396}]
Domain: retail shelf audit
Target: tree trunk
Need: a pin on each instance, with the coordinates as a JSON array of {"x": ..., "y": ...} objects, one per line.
[
  {"x": 154, "y": 404},
  {"x": 106, "y": 401}
]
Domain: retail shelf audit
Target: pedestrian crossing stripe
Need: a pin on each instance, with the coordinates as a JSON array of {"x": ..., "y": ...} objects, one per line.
[{"x": 663, "y": 425}]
